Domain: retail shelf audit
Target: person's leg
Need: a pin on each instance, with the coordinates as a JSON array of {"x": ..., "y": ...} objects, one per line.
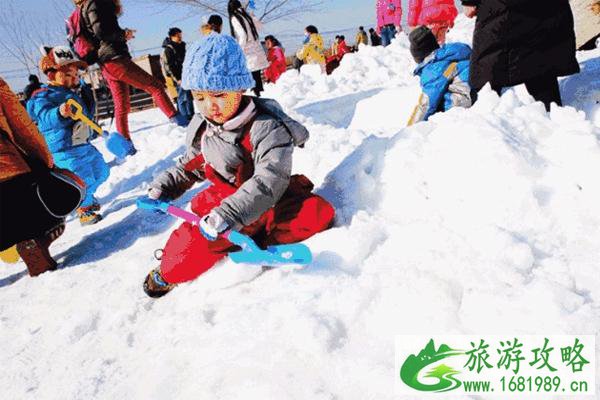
[
  {"x": 27, "y": 223},
  {"x": 545, "y": 89},
  {"x": 385, "y": 39},
  {"x": 185, "y": 103},
  {"x": 130, "y": 73},
  {"x": 120, "y": 94},
  {"x": 299, "y": 215},
  {"x": 258, "y": 87}
]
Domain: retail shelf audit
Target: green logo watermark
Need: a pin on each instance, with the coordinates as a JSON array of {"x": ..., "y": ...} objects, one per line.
[{"x": 497, "y": 365}]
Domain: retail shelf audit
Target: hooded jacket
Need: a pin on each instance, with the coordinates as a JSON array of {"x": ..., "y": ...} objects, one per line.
[
  {"x": 100, "y": 19},
  {"x": 312, "y": 52},
  {"x": 273, "y": 135},
  {"x": 388, "y": 12},
  {"x": 444, "y": 80},
  {"x": 43, "y": 107},
  {"x": 20, "y": 129},
  {"x": 174, "y": 54},
  {"x": 428, "y": 12}
]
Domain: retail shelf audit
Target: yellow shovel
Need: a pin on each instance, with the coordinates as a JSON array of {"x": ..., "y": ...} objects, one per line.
[
  {"x": 10, "y": 255},
  {"x": 115, "y": 143}
]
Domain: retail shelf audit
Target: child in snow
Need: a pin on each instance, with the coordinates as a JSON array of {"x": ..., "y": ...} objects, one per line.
[
  {"x": 444, "y": 73},
  {"x": 437, "y": 15},
  {"x": 312, "y": 50},
  {"x": 276, "y": 57},
  {"x": 334, "y": 60},
  {"x": 243, "y": 145},
  {"x": 68, "y": 140}
]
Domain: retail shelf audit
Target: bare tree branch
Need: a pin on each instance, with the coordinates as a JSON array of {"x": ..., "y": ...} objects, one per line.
[
  {"x": 22, "y": 33},
  {"x": 268, "y": 11}
]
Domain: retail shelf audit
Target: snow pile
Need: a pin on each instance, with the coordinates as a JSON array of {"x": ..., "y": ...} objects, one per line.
[{"x": 479, "y": 221}]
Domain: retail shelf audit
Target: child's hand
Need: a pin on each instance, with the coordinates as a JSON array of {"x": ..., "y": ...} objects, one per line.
[
  {"x": 154, "y": 194},
  {"x": 66, "y": 111},
  {"x": 212, "y": 225}
]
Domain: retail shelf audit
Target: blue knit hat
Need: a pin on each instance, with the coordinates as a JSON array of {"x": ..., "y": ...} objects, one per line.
[{"x": 216, "y": 63}]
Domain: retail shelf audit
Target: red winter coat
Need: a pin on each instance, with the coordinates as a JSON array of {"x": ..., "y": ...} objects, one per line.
[
  {"x": 428, "y": 12},
  {"x": 277, "y": 66},
  {"x": 342, "y": 49}
]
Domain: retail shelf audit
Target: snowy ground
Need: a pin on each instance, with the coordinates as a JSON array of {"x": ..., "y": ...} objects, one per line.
[{"x": 479, "y": 221}]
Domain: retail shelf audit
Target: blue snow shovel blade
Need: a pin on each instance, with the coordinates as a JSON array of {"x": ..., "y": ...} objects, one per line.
[
  {"x": 146, "y": 203},
  {"x": 283, "y": 254},
  {"x": 118, "y": 145}
]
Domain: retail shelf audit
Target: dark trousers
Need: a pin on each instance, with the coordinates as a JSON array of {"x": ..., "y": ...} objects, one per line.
[
  {"x": 258, "y": 87},
  {"x": 22, "y": 215},
  {"x": 185, "y": 103},
  {"x": 542, "y": 88}
]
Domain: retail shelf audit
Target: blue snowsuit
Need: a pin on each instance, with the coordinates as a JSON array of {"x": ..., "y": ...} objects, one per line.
[
  {"x": 444, "y": 80},
  {"x": 68, "y": 140}
]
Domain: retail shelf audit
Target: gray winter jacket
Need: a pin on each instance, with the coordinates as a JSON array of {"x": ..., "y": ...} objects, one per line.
[{"x": 273, "y": 135}]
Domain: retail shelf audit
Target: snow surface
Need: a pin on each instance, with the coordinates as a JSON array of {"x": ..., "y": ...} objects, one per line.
[{"x": 479, "y": 221}]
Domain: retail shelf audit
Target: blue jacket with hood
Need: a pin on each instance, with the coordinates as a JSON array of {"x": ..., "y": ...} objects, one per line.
[{"x": 444, "y": 80}]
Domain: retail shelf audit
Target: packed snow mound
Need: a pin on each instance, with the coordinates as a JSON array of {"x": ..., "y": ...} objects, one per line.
[{"x": 482, "y": 220}]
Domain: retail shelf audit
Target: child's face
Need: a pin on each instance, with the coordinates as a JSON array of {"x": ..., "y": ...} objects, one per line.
[
  {"x": 67, "y": 76},
  {"x": 219, "y": 107}
]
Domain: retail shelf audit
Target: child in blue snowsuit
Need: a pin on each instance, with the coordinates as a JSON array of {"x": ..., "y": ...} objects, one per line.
[
  {"x": 68, "y": 140},
  {"x": 444, "y": 74}
]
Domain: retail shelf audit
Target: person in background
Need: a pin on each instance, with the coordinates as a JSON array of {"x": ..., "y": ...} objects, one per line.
[
  {"x": 530, "y": 42},
  {"x": 389, "y": 19},
  {"x": 275, "y": 56},
  {"x": 25, "y": 220},
  {"x": 334, "y": 45},
  {"x": 375, "y": 38},
  {"x": 437, "y": 15},
  {"x": 312, "y": 51},
  {"x": 243, "y": 28},
  {"x": 361, "y": 37},
  {"x": 99, "y": 19},
  {"x": 172, "y": 63},
  {"x": 214, "y": 23},
  {"x": 34, "y": 84},
  {"x": 333, "y": 61},
  {"x": 443, "y": 72}
]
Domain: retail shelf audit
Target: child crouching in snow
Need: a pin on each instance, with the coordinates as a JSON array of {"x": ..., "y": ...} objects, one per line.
[
  {"x": 243, "y": 145},
  {"x": 444, "y": 73},
  {"x": 68, "y": 140}
]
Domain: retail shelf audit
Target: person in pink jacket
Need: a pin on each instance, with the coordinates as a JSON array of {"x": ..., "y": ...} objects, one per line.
[
  {"x": 389, "y": 17},
  {"x": 437, "y": 15}
]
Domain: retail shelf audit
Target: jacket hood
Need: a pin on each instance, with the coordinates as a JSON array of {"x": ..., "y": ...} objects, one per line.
[
  {"x": 297, "y": 131},
  {"x": 450, "y": 52}
]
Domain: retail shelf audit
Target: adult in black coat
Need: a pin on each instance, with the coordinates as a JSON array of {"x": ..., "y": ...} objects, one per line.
[
  {"x": 375, "y": 38},
  {"x": 172, "y": 62},
  {"x": 522, "y": 41}
]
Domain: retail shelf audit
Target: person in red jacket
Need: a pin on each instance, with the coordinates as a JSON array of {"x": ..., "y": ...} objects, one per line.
[
  {"x": 276, "y": 58},
  {"x": 342, "y": 49},
  {"x": 437, "y": 15}
]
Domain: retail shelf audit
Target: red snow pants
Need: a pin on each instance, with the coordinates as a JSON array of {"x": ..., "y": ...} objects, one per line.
[
  {"x": 298, "y": 215},
  {"x": 122, "y": 73}
]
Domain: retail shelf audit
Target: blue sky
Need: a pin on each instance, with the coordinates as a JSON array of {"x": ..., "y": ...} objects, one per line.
[{"x": 152, "y": 21}]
